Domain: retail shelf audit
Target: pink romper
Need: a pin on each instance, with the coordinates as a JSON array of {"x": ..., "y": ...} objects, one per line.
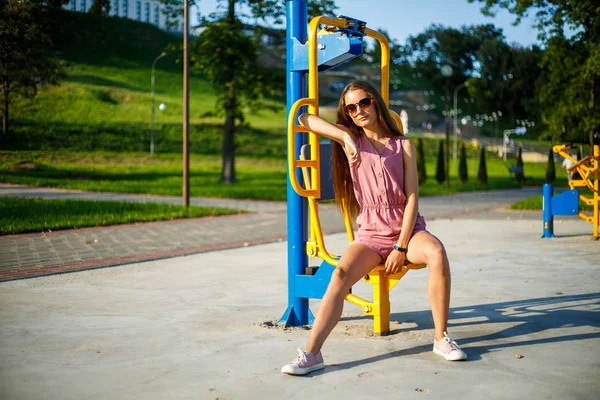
[{"x": 379, "y": 188}]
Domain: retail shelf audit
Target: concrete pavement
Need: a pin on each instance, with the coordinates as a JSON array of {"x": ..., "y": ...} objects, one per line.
[{"x": 204, "y": 326}]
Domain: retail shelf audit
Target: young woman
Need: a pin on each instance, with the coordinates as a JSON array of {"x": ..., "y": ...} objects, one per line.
[{"x": 375, "y": 173}]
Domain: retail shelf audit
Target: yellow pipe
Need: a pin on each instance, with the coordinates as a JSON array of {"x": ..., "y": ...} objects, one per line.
[
  {"x": 348, "y": 222},
  {"x": 385, "y": 63},
  {"x": 293, "y": 163},
  {"x": 365, "y": 306},
  {"x": 313, "y": 88}
]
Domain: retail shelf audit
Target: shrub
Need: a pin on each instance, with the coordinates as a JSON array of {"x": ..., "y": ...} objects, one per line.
[
  {"x": 463, "y": 174},
  {"x": 440, "y": 171},
  {"x": 482, "y": 173}
]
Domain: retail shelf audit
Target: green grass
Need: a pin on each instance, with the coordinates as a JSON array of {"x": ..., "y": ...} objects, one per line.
[
  {"x": 141, "y": 173},
  {"x": 21, "y": 215},
  {"x": 536, "y": 203},
  {"x": 260, "y": 178}
]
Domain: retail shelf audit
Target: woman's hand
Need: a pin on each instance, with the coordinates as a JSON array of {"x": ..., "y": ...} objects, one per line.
[
  {"x": 394, "y": 262},
  {"x": 352, "y": 152}
]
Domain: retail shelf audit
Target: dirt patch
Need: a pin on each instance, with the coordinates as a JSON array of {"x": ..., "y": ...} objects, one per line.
[
  {"x": 281, "y": 327},
  {"x": 360, "y": 329},
  {"x": 22, "y": 166}
]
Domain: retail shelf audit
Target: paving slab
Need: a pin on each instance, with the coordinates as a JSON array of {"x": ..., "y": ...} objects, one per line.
[{"x": 204, "y": 326}]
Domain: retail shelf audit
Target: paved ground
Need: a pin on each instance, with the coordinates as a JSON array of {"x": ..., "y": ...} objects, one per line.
[
  {"x": 72, "y": 250},
  {"x": 205, "y": 326}
]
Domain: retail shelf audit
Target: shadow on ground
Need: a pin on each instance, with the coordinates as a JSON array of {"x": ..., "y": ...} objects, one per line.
[{"x": 525, "y": 317}]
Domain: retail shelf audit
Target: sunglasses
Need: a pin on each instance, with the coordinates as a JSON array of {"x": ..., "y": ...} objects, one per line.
[{"x": 364, "y": 104}]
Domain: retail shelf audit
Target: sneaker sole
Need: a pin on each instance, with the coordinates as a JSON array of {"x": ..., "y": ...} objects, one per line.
[
  {"x": 449, "y": 358},
  {"x": 304, "y": 371}
]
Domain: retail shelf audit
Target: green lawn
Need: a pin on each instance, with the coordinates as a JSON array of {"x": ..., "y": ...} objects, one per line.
[
  {"x": 20, "y": 215},
  {"x": 260, "y": 178}
]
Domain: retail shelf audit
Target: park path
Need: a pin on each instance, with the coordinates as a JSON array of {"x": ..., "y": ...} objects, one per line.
[{"x": 38, "y": 254}]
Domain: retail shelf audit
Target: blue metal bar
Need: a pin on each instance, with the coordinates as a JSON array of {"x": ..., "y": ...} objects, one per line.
[
  {"x": 548, "y": 219},
  {"x": 297, "y": 312}
]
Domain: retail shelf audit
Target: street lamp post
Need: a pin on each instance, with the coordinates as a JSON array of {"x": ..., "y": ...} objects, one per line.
[
  {"x": 455, "y": 123},
  {"x": 161, "y": 55},
  {"x": 447, "y": 73}
]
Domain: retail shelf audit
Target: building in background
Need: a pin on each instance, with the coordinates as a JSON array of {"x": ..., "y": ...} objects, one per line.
[{"x": 148, "y": 11}]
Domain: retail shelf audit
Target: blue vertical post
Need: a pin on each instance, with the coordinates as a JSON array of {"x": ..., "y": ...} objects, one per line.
[
  {"x": 297, "y": 312},
  {"x": 548, "y": 218}
]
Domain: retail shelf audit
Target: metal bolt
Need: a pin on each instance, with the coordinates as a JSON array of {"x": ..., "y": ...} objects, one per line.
[
  {"x": 366, "y": 309},
  {"x": 321, "y": 47}
]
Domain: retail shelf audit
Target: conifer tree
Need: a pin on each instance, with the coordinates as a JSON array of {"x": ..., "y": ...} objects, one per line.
[
  {"x": 520, "y": 174},
  {"x": 550, "y": 168},
  {"x": 440, "y": 171},
  {"x": 482, "y": 173},
  {"x": 463, "y": 174}
]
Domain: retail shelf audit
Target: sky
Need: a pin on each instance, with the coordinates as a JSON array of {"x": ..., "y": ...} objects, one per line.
[{"x": 403, "y": 18}]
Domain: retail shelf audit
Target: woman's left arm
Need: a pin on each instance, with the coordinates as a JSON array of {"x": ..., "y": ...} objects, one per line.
[{"x": 411, "y": 189}]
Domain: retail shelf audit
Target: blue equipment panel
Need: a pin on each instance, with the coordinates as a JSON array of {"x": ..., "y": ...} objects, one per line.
[{"x": 566, "y": 203}]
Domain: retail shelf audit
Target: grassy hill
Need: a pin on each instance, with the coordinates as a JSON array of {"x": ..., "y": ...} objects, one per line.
[{"x": 104, "y": 103}]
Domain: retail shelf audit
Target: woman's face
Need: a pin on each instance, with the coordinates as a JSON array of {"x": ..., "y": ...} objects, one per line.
[{"x": 361, "y": 108}]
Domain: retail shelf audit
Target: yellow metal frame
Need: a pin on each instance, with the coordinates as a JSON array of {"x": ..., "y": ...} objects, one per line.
[
  {"x": 588, "y": 170},
  {"x": 379, "y": 308}
]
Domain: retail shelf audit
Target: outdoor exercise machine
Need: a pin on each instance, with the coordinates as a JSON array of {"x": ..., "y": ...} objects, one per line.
[
  {"x": 567, "y": 203},
  {"x": 308, "y": 52}
]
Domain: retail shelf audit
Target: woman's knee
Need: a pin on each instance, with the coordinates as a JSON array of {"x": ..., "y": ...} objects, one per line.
[{"x": 436, "y": 254}]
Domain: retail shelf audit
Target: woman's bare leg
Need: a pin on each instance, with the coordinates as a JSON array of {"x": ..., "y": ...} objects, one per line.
[
  {"x": 424, "y": 248},
  {"x": 356, "y": 262}
]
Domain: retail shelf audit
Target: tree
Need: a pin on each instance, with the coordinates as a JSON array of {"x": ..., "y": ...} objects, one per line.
[
  {"x": 520, "y": 172},
  {"x": 100, "y": 7},
  {"x": 173, "y": 12},
  {"x": 440, "y": 170},
  {"x": 228, "y": 53},
  {"x": 463, "y": 174},
  {"x": 550, "y": 168},
  {"x": 570, "y": 94},
  {"x": 482, "y": 172},
  {"x": 25, "y": 61},
  {"x": 439, "y": 45},
  {"x": 422, "y": 172}
]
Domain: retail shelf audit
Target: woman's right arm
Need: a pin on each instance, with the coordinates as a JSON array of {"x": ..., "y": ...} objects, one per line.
[{"x": 338, "y": 133}]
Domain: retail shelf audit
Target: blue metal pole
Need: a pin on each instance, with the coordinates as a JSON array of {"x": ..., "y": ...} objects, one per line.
[
  {"x": 548, "y": 218},
  {"x": 297, "y": 312}
]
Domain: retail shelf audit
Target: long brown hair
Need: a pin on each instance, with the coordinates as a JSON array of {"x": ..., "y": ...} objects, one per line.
[{"x": 342, "y": 180}]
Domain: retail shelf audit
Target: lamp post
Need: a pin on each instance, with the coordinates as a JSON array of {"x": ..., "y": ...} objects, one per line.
[
  {"x": 186, "y": 105},
  {"x": 447, "y": 73},
  {"x": 455, "y": 123},
  {"x": 161, "y": 55}
]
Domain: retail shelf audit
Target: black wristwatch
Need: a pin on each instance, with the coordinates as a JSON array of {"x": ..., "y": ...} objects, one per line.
[{"x": 400, "y": 249}]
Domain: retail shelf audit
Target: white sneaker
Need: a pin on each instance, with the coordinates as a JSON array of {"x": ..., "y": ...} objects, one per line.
[
  {"x": 448, "y": 349},
  {"x": 303, "y": 364}
]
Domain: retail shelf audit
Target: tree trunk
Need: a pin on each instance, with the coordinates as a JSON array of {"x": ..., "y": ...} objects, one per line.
[{"x": 228, "y": 168}]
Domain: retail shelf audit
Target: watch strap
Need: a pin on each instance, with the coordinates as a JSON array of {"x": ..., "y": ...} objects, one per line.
[{"x": 400, "y": 249}]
